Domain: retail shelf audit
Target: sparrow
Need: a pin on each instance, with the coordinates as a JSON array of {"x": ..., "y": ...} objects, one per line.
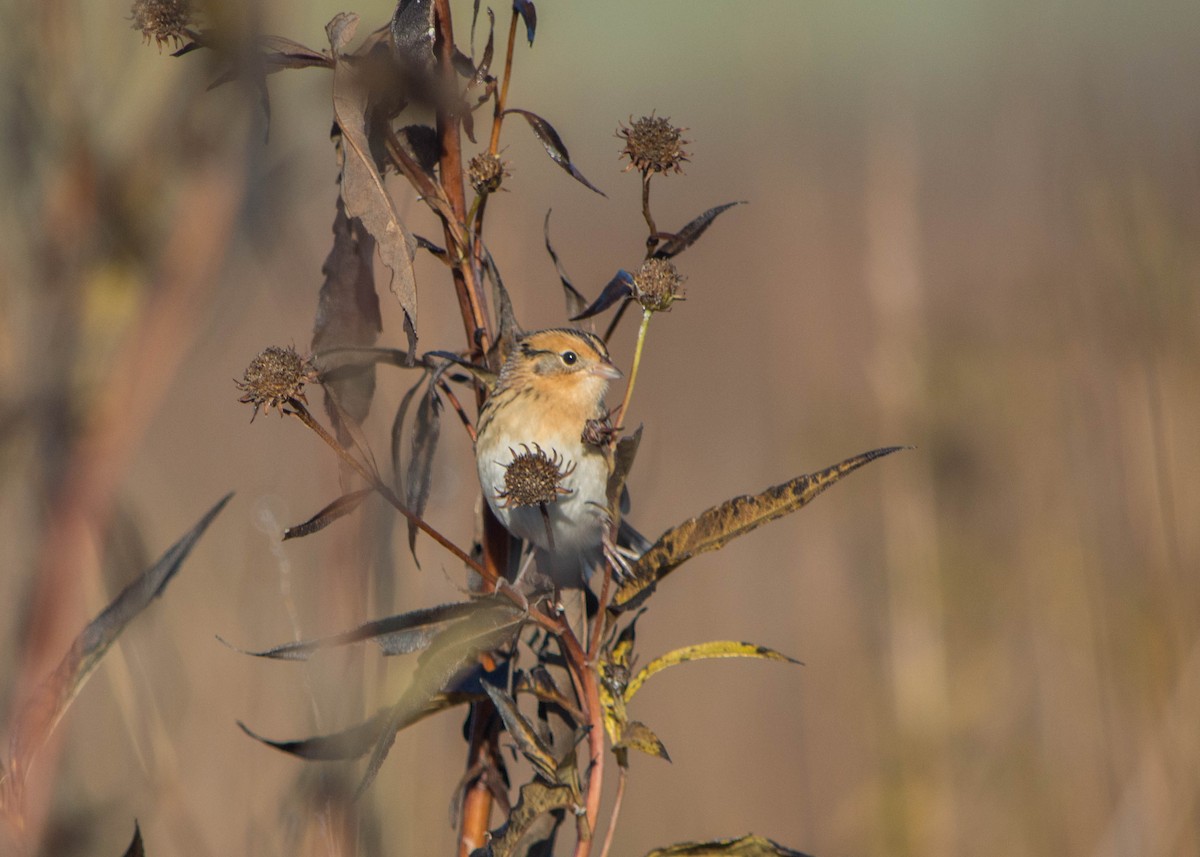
[{"x": 545, "y": 424}]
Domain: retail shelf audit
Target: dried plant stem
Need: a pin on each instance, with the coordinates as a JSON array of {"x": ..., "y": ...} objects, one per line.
[
  {"x": 502, "y": 100},
  {"x": 298, "y": 410},
  {"x": 637, "y": 361},
  {"x": 622, "y": 777},
  {"x": 651, "y": 239},
  {"x": 598, "y": 628}
]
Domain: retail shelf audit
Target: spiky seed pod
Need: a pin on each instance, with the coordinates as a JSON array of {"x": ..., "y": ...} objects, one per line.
[
  {"x": 657, "y": 285},
  {"x": 162, "y": 20},
  {"x": 274, "y": 377},
  {"x": 486, "y": 172},
  {"x": 534, "y": 478},
  {"x": 653, "y": 144}
]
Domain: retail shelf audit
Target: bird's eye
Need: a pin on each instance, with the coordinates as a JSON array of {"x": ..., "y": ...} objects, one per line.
[{"x": 569, "y": 357}]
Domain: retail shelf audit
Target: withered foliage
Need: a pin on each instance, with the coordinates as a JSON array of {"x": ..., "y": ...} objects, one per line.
[{"x": 556, "y": 688}]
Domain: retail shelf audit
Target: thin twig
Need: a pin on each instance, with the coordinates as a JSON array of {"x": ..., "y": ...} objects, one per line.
[
  {"x": 637, "y": 361},
  {"x": 622, "y": 776},
  {"x": 652, "y": 240},
  {"x": 502, "y": 99},
  {"x": 298, "y": 410}
]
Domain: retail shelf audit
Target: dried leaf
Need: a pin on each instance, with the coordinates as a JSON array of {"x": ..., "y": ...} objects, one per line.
[
  {"x": 391, "y": 633},
  {"x": 136, "y": 849},
  {"x": 398, "y": 436},
  {"x": 745, "y": 846},
  {"x": 434, "y": 249},
  {"x": 482, "y": 71},
  {"x": 700, "y": 652},
  {"x": 678, "y": 242},
  {"x": 619, "y": 287},
  {"x": 576, "y": 302},
  {"x": 637, "y": 736},
  {"x": 494, "y": 623},
  {"x": 528, "y": 13},
  {"x": 363, "y": 190},
  {"x": 715, "y": 527},
  {"x": 39, "y": 716},
  {"x": 623, "y": 456},
  {"x": 537, "y": 798},
  {"x": 532, "y": 747},
  {"x": 339, "y": 508},
  {"x": 413, "y": 32},
  {"x": 423, "y": 146},
  {"x": 420, "y": 468},
  {"x": 555, "y": 148},
  {"x": 357, "y": 741},
  {"x": 509, "y": 331},
  {"x": 348, "y": 316}
]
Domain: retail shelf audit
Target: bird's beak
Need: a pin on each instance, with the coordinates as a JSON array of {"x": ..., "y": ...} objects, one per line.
[{"x": 607, "y": 371}]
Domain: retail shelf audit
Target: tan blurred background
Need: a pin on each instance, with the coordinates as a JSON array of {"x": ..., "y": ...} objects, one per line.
[{"x": 973, "y": 227}]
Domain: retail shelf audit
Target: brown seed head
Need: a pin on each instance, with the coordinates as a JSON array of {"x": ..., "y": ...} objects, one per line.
[
  {"x": 534, "y": 478},
  {"x": 657, "y": 285},
  {"x": 653, "y": 144},
  {"x": 162, "y": 20},
  {"x": 486, "y": 171},
  {"x": 274, "y": 377}
]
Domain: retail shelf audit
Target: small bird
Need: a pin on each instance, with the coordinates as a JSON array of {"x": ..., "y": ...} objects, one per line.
[{"x": 549, "y": 396}]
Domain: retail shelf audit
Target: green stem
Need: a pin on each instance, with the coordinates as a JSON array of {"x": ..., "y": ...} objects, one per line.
[{"x": 637, "y": 361}]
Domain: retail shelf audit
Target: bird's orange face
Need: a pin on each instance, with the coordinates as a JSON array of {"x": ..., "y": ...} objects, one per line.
[{"x": 570, "y": 368}]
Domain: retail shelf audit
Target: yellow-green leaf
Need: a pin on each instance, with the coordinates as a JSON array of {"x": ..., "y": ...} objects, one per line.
[
  {"x": 744, "y": 846},
  {"x": 714, "y": 528},
  {"x": 700, "y": 652},
  {"x": 531, "y": 746},
  {"x": 637, "y": 736},
  {"x": 536, "y": 798}
]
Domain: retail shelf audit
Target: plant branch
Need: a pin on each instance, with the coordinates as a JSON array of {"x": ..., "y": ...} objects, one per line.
[
  {"x": 502, "y": 98},
  {"x": 651, "y": 240},
  {"x": 637, "y": 361},
  {"x": 298, "y": 410},
  {"x": 622, "y": 778}
]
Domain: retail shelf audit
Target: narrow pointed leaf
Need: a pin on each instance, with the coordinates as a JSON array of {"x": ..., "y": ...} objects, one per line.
[
  {"x": 678, "y": 242},
  {"x": 576, "y": 302},
  {"x": 509, "y": 331},
  {"x": 339, "y": 508},
  {"x": 485, "y": 63},
  {"x": 623, "y": 456},
  {"x": 555, "y": 148},
  {"x": 39, "y": 716},
  {"x": 363, "y": 189},
  {"x": 531, "y": 746},
  {"x": 398, "y": 436},
  {"x": 494, "y": 623},
  {"x": 715, "y": 527},
  {"x": 136, "y": 849},
  {"x": 528, "y": 13},
  {"x": 700, "y": 652},
  {"x": 744, "y": 846},
  {"x": 619, "y": 287},
  {"x": 420, "y": 468},
  {"x": 391, "y": 633},
  {"x": 638, "y": 736}
]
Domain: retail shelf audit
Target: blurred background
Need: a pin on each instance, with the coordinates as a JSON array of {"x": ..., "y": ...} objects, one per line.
[{"x": 972, "y": 227}]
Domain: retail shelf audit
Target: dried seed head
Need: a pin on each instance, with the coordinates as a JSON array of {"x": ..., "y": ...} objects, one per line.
[
  {"x": 275, "y": 376},
  {"x": 653, "y": 144},
  {"x": 534, "y": 478},
  {"x": 657, "y": 285},
  {"x": 486, "y": 171},
  {"x": 162, "y": 20}
]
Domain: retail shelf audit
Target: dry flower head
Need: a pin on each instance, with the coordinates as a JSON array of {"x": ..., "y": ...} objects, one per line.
[
  {"x": 534, "y": 478},
  {"x": 162, "y": 20},
  {"x": 657, "y": 284},
  {"x": 274, "y": 377},
  {"x": 486, "y": 172},
  {"x": 653, "y": 144}
]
